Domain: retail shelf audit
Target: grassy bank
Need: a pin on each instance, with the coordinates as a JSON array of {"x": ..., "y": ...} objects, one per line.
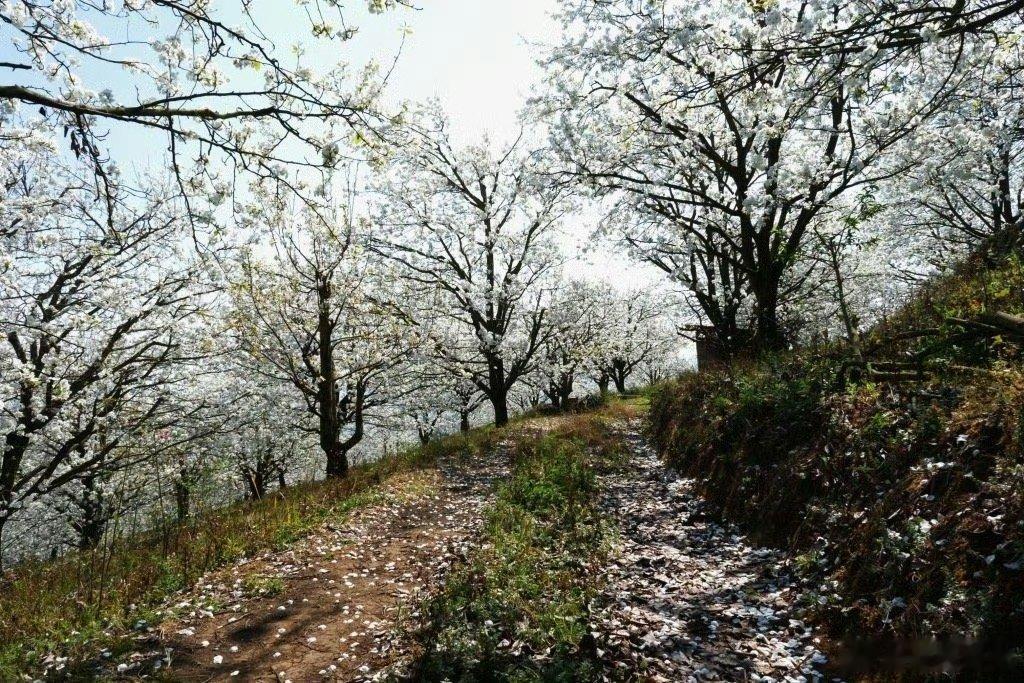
[
  {"x": 86, "y": 602},
  {"x": 904, "y": 498},
  {"x": 517, "y": 610}
]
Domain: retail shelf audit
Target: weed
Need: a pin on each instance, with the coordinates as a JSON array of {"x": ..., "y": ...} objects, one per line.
[
  {"x": 898, "y": 493},
  {"x": 263, "y": 586}
]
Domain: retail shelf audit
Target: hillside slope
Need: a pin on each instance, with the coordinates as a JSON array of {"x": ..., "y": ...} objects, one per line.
[
  {"x": 82, "y": 615},
  {"x": 894, "y": 470},
  {"x": 557, "y": 549}
]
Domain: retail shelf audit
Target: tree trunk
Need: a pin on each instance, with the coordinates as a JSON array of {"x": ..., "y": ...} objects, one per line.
[
  {"x": 3, "y": 523},
  {"x": 497, "y": 390},
  {"x": 568, "y": 385},
  {"x": 603, "y": 383},
  {"x": 257, "y": 483},
  {"x": 327, "y": 390},
  {"x": 768, "y": 334},
  {"x": 554, "y": 397},
  {"x": 464, "y": 421},
  {"x": 90, "y": 533},
  {"x": 281, "y": 483},
  {"x": 182, "y": 501},
  {"x": 844, "y": 307},
  {"x": 14, "y": 447},
  {"x": 337, "y": 461},
  {"x": 337, "y": 456},
  {"x": 564, "y": 389},
  {"x": 93, "y": 521},
  {"x": 619, "y": 375},
  {"x": 499, "y": 400}
]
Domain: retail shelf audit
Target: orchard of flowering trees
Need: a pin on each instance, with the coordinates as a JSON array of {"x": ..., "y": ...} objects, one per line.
[
  {"x": 305, "y": 272},
  {"x": 264, "y": 303},
  {"x": 754, "y": 151}
]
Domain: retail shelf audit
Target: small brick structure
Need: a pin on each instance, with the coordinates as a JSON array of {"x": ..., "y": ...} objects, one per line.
[{"x": 710, "y": 350}]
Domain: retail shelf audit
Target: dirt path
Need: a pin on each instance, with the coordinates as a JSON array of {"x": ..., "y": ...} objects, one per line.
[
  {"x": 684, "y": 598},
  {"x": 687, "y": 599},
  {"x": 331, "y": 605}
]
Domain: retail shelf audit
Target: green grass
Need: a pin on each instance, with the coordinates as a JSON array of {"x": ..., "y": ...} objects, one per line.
[
  {"x": 974, "y": 288},
  {"x": 527, "y": 588},
  {"x": 262, "y": 586},
  {"x": 85, "y": 602}
]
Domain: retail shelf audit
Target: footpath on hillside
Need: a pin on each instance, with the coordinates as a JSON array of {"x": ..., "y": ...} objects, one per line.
[
  {"x": 682, "y": 598},
  {"x": 329, "y": 607},
  {"x": 686, "y": 598}
]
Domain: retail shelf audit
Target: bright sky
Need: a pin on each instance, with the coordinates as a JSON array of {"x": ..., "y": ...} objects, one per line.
[
  {"x": 474, "y": 55},
  {"x": 477, "y": 57}
]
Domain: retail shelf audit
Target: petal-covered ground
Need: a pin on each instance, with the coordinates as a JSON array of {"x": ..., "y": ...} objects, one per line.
[
  {"x": 683, "y": 598},
  {"x": 329, "y": 607},
  {"x": 686, "y": 598}
]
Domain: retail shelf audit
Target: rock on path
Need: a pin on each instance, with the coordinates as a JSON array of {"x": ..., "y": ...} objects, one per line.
[{"x": 686, "y": 598}]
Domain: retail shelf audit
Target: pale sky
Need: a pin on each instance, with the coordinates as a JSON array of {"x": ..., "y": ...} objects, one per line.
[
  {"x": 477, "y": 57},
  {"x": 473, "y": 55}
]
